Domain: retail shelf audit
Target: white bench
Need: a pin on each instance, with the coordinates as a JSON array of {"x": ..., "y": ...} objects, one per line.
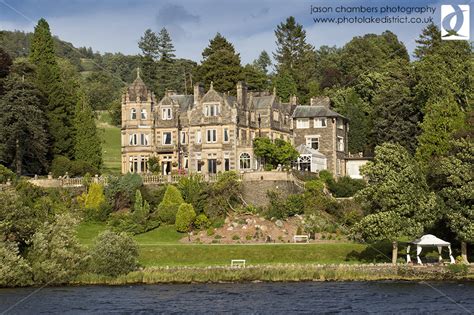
[
  {"x": 237, "y": 263},
  {"x": 301, "y": 238}
]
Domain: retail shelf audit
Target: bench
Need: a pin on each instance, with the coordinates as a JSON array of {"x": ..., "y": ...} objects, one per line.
[
  {"x": 237, "y": 263},
  {"x": 301, "y": 238}
]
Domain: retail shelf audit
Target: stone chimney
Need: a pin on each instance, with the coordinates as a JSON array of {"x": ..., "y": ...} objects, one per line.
[
  {"x": 242, "y": 94},
  {"x": 320, "y": 101},
  {"x": 198, "y": 92},
  {"x": 293, "y": 100}
]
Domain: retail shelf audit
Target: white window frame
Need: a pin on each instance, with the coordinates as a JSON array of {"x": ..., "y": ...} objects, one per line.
[
  {"x": 198, "y": 137},
  {"x": 133, "y": 139},
  {"x": 163, "y": 138},
  {"x": 245, "y": 157},
  {"x": 340, "y": 144},
  {"x": 133, "y": 114},
  {"x": 320, "y": 123},
  {"x": 226, "y": 137},
  {"x": 211, "y": 135},
  {"x": 211, "y": 110},
  {"x": 166, "y": 113},
  {"x": 302, "y": 123},
  {"x": 339, "y": 123},
  {"x": 309, "y": 141},
  {"x": 144, "y": 139},
  {"x": 143, "y": 114}
]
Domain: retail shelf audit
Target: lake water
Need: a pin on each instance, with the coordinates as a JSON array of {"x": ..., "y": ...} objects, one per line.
[{"x": 275, "y": 298}]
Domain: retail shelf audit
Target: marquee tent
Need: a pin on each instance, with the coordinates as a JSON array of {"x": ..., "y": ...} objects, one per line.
[{"x": 429, "y": 240}]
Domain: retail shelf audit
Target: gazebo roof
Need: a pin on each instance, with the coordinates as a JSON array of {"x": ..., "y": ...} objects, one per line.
[
  {"x": 303, "y": 149},
  {"x": 430, "y": 240}
]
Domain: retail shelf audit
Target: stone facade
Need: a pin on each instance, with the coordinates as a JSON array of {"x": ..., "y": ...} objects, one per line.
[{"x": 209, "y": 132}]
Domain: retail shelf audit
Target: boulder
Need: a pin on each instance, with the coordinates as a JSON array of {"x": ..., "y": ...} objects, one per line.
[
  {"x": 279, "y": 223},
  {"x": 230, "y": 228}
]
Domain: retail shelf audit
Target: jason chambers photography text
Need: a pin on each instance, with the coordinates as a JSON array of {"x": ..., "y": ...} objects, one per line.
[{"x": 372, "y": 14}]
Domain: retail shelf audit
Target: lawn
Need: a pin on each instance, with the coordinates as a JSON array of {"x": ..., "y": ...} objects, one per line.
[
  {"x": 111, "y": 144},
  {"x": 160, "y": 247}
]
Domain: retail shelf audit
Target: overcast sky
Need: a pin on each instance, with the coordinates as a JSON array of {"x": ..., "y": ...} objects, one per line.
[{"x": 116, "y": 25}]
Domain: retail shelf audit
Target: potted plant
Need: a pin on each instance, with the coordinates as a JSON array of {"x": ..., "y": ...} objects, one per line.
[
  {"x": 219, "y": 162},
  {"x": 175, "y": 164}
]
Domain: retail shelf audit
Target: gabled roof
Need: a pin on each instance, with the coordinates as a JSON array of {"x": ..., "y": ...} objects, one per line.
[
  {"x": 303, "y": 149},
  {"x": 262, "y": 102},
  {"x": 138, "y": 88},
  {"x": 307, "y": 111},
  {"x": 185, "y": 102}
]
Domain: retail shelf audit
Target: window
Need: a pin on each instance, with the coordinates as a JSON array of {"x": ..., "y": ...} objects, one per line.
[
  {"x": 198, "y": 137},
  {"x": 226, "y": 134},
  {"x": 166, "y": 138},
  {"x": 166, "y": 113},
  {"x": 143, "y": 113},
  {"x": 312, "y": 142},
  {"x": 252, "y": 117},
  {"x": 133, "y": 139},
  {"x": 338, "y": 167},
  {"x": 212, "y": 166},
  {"x": 320, "y": 122},
  {"x": 183, "y": 137},
  {"x": 198, "y": 162},
  {"x": 143, "y": 139},
  {"x": 340, "y": 144},
  {"x": 302, "y": 123},
  {"x": 340, "y": 124},
  {"x": 275, "y": 115},
  {"x": 211, "y": 110},
  {"x": 211, "y": 136},
  {"x": 133, "y": 114},
  {"x": 244, "y": 161}
]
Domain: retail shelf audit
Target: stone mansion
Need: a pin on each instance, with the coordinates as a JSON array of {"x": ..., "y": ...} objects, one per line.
[{"x": 208, "y": 132}]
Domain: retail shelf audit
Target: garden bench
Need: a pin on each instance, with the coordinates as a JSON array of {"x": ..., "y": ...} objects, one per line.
[
  {"x": 237, "y": 263},
  {"x": 301, "y": 238}
]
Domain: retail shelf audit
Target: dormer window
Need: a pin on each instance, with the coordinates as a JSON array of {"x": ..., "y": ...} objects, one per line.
[
  {"x": 133, "y": 114},
  {"x": 166, "y": 113},
  {"x": 143, "y": 114},
  {"x": 211, "y": 110}
]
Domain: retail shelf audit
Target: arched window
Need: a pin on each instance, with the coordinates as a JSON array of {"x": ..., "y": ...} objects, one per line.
[
  {"x": 244, "y": 161},
  {"x": 143, "y": 114},
  {"x": 133, "y": 114}
]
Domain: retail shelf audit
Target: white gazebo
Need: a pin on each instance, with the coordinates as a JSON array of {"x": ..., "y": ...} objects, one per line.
[{"x": 429, "y": 240}]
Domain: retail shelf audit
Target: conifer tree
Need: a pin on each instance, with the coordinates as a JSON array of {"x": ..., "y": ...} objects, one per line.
[
  {"x": 167, "y": 73},
  {"x": 263, "y": 62},
  {"x": 58, "y": 107},
  {"x": 87, "y": 146},
  {"x": 149, "y": 45},
  {"x": 221, "y": 65},
  {"x": 285, "y": 85},
  {"x": 22, "y": 127}
]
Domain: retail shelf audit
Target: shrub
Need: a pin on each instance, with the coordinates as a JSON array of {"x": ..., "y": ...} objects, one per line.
[
  {"x": 6, "y": 174},
  {"x": 223, "y": 195},
  {"x": 114, "y": 254},
  {"x": 62, "y": 165},
  {"x": 55, "y": 254},
  {"x": 80, "y": 168},
  {"x": 14, "y": 270},
  {"x": 168, "y": 207},
  {"x": 193, "y": 190},
  {"x": 124, "y": 222},
  {"x": 315, "y": 186},
  {"x": 294, "y": 204},
  {"x": 202, "y": 222},
  {"x": 281, "y": 208},
  {"x": 210, "y": 231},
  {"x": 120, "y": 191},
  {"x": 153, "y": 195},
  {"x": 185, "y": 217},
  {"x": 95, "y": 196},
  {"x": 458, "y": 269},
  {"x": 235, "y": 237},
  {"x": 345, "y": 186},
  {"x": 325, "y": 176}
]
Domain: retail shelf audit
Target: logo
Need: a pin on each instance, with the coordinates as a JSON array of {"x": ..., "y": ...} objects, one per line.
[{"x": 455, "y": 22}]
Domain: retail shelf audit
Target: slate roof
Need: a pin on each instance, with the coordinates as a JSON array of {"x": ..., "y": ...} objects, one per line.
[
  {"x": 185, "y": 102},
  {"x": 262, "y": 102},
  {"x": 307, "y": 111},
  {"x": 139, "y": 88}
]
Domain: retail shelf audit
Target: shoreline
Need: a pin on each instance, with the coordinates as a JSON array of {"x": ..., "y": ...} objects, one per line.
[{"x": 280, "y": 273}]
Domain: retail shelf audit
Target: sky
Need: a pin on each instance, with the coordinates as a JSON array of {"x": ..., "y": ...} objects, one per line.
[{"x": 116, "y": 25}]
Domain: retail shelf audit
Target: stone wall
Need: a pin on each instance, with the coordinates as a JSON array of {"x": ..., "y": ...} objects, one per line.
[{"x": 255, "y": 191}]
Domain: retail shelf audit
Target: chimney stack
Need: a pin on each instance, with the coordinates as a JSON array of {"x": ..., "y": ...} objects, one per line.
[
  {"x": 293, "y": 100},
  {"x": 198, "y": 92},
  {"x": 242, "y": 94}
]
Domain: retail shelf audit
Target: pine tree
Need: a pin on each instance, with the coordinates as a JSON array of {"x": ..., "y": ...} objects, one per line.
[
  {"x": 87, "y": 146},
  {"x": 294, "y": 55},
  {"x": 167, "y": 74},
  {"x": 221, "y": 65},
  {"x": 149, "y": 45},
  {"x": 5, "y": 64},
  {"x": 22, "y": 127},
  {"x": 263, "y": 62},
  {"x": 285, "y": 85},
  {"x": 255, "y": 78},
  {"x": 59, "y": 107},
  {"x": 429, "y": 40}
]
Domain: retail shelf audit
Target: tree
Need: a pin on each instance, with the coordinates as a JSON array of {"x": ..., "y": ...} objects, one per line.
[
  {"x": 167, "y": 209},
  {"x": 193, "y": 189},
  {"x": 114, "y": 254},
  {"x": 185, "y": 218},
  {"x": 455, "y": 186},
  {"x": 14, "y": 270},
  {"x": 102, "y": 89},
  {"x": 22, "y": 127},
  {"x": 395, "y": 114},
  {"x": 285, "y": 85},
  {"x": 5, "y": 64},
  {"x": 220, "y": 65},
  {"x": 55, "y": 254},
  {"x": 274, "y": 153},
  {"x": 87, "y": 145},
  {"x": 167, "y": 73},
  {"x": 396, "y": 198},
  {"x": 59, "y": 106},
  {"x": 429, "y": 40},
  {"x": 255, "y": 78},
  {"x": 224, "y": 195},
  {"x": 149, "y": 45},
  {"x": 294, "y": 55},
  {"x": 141, "y": 210},
  {"x": 263, "y": 62}
]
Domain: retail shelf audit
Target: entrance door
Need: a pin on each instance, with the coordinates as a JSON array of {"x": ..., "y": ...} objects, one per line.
[
  {"x": 166, "y": 167},
  {"x": 212, "y": 166}
]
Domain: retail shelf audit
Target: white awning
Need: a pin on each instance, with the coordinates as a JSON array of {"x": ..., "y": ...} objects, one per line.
[{"x": 430, "y": 240}]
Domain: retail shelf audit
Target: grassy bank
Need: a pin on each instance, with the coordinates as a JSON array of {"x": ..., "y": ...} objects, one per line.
[
  {"x": 277, "y": 273},
  {"x": 111, "y": 144}
]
